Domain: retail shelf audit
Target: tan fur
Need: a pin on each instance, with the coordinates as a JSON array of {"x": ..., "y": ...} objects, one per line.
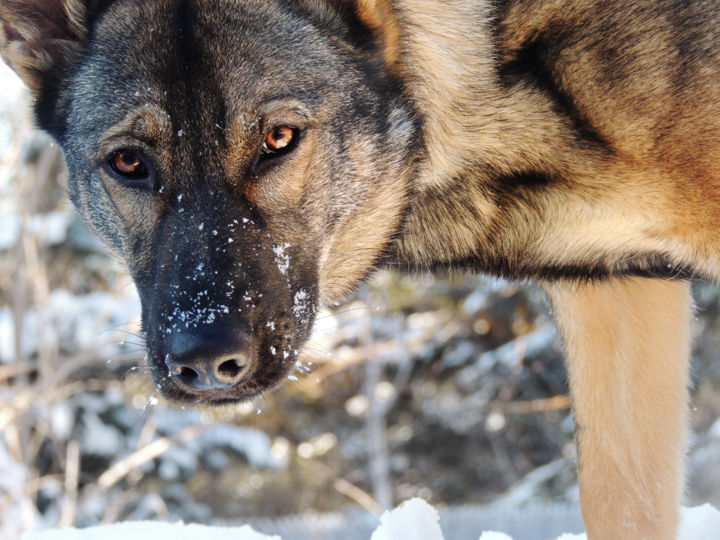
[
  {"x": 561, "y": 140},
  {"x": 358, "y": 244},
  {"x": 627, "y": 342},
  {"x": 378, "y": 15},
  {"x": 514, "y": 130}
]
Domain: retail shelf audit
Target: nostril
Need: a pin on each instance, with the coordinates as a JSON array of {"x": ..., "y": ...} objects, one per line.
[{"x": 231, "y": 369}]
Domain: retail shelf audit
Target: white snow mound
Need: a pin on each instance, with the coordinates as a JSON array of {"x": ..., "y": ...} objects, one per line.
[
  {"x": 490, "y": 535},
  {"x": 700, "y": 523},
  {"x": 150, "y": 530},
  {"x": 414, "y": 519}
]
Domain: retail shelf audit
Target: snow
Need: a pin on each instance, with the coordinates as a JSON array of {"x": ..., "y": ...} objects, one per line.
[
  {"x": 282, "y": 259},
  {"x": 51, "y": 228},
  {"x": 11, "y": 98},
  {"x": 202, "y": 310},
  {"x": 98, "y": 438},
  {"x": 414, "y": 519},
  {"x": 254, "y": 444},
  {"x": 73, "y": 322},
  {"x": 145, "y": 530},
  {"x": 9, "y": 230},
  {"x": 302, "y": 308},
  {"x": 700, "y": 523},
  {"x": 21, "y": 511},
  {"x": 714, "y": 431}
]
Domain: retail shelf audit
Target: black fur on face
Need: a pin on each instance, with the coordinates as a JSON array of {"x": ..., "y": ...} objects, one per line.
[
  {"x": 225, "y": 251},
  {"x": 228, "y": 279}
]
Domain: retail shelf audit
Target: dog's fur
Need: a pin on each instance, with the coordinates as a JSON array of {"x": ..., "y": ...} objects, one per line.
[{"x": 574, "y": 142}]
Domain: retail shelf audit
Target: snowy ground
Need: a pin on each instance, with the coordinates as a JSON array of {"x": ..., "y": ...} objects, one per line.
[{"x": 413, "y": 520}]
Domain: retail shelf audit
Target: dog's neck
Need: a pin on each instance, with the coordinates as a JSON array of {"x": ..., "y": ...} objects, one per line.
[
  {"x": 487, "y": 141},
  {"x": 468, "y": 119},
  {"x": 468, "y": 129}
]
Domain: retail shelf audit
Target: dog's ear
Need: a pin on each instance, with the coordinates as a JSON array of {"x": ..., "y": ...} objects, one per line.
[
  {"x": 380, "y": 17},
  {"x": 40, "y": 39}
]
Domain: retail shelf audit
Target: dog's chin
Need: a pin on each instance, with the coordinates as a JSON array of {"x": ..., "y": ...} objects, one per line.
[
  {"x": 227, "y": 398},
  {"x": 242, "y": 392}
]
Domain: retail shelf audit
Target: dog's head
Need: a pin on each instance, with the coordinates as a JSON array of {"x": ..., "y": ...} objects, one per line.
[{"x": 247, "y": 160}]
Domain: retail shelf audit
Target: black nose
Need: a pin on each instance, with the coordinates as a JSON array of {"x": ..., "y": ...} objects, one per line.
[{"x": 209, "y": 360}]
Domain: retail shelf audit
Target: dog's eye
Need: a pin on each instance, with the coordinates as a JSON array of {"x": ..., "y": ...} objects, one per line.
[
  {"x": 129, "y": 167},
  {"x": 280, "y": 141},
  {"x": 128, "y": 164}
]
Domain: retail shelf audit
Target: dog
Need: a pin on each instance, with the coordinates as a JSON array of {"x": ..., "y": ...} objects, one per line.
[{"x": 251, "y": 159}]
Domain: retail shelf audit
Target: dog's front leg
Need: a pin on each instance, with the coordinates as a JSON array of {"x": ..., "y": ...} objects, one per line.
[{"x": 627, "y": 343}]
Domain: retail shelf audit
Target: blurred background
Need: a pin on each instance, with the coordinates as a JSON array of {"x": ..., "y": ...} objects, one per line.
[{"x": 450, "y": 388}]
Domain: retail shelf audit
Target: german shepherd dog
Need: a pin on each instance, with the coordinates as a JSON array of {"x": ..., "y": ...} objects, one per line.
[{"x": 249, "y": 159}]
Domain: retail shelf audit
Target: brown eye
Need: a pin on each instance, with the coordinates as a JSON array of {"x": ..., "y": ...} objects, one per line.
[
  {"x": 279, "y": 142},
  {"x": 130, "y": 167},
  {"x": 279, "y": 139},
  {"x": 127, "y": 163}
]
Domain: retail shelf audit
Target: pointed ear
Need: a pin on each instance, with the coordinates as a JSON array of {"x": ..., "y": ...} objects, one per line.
[
  {"x": 39, "y": 39},
  {"x": 380, "y": 17}
]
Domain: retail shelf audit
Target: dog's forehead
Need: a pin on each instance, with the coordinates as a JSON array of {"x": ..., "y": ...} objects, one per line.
[
  {"x": 247, "y": 41},
  {"x": 214, "y": 60}
]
